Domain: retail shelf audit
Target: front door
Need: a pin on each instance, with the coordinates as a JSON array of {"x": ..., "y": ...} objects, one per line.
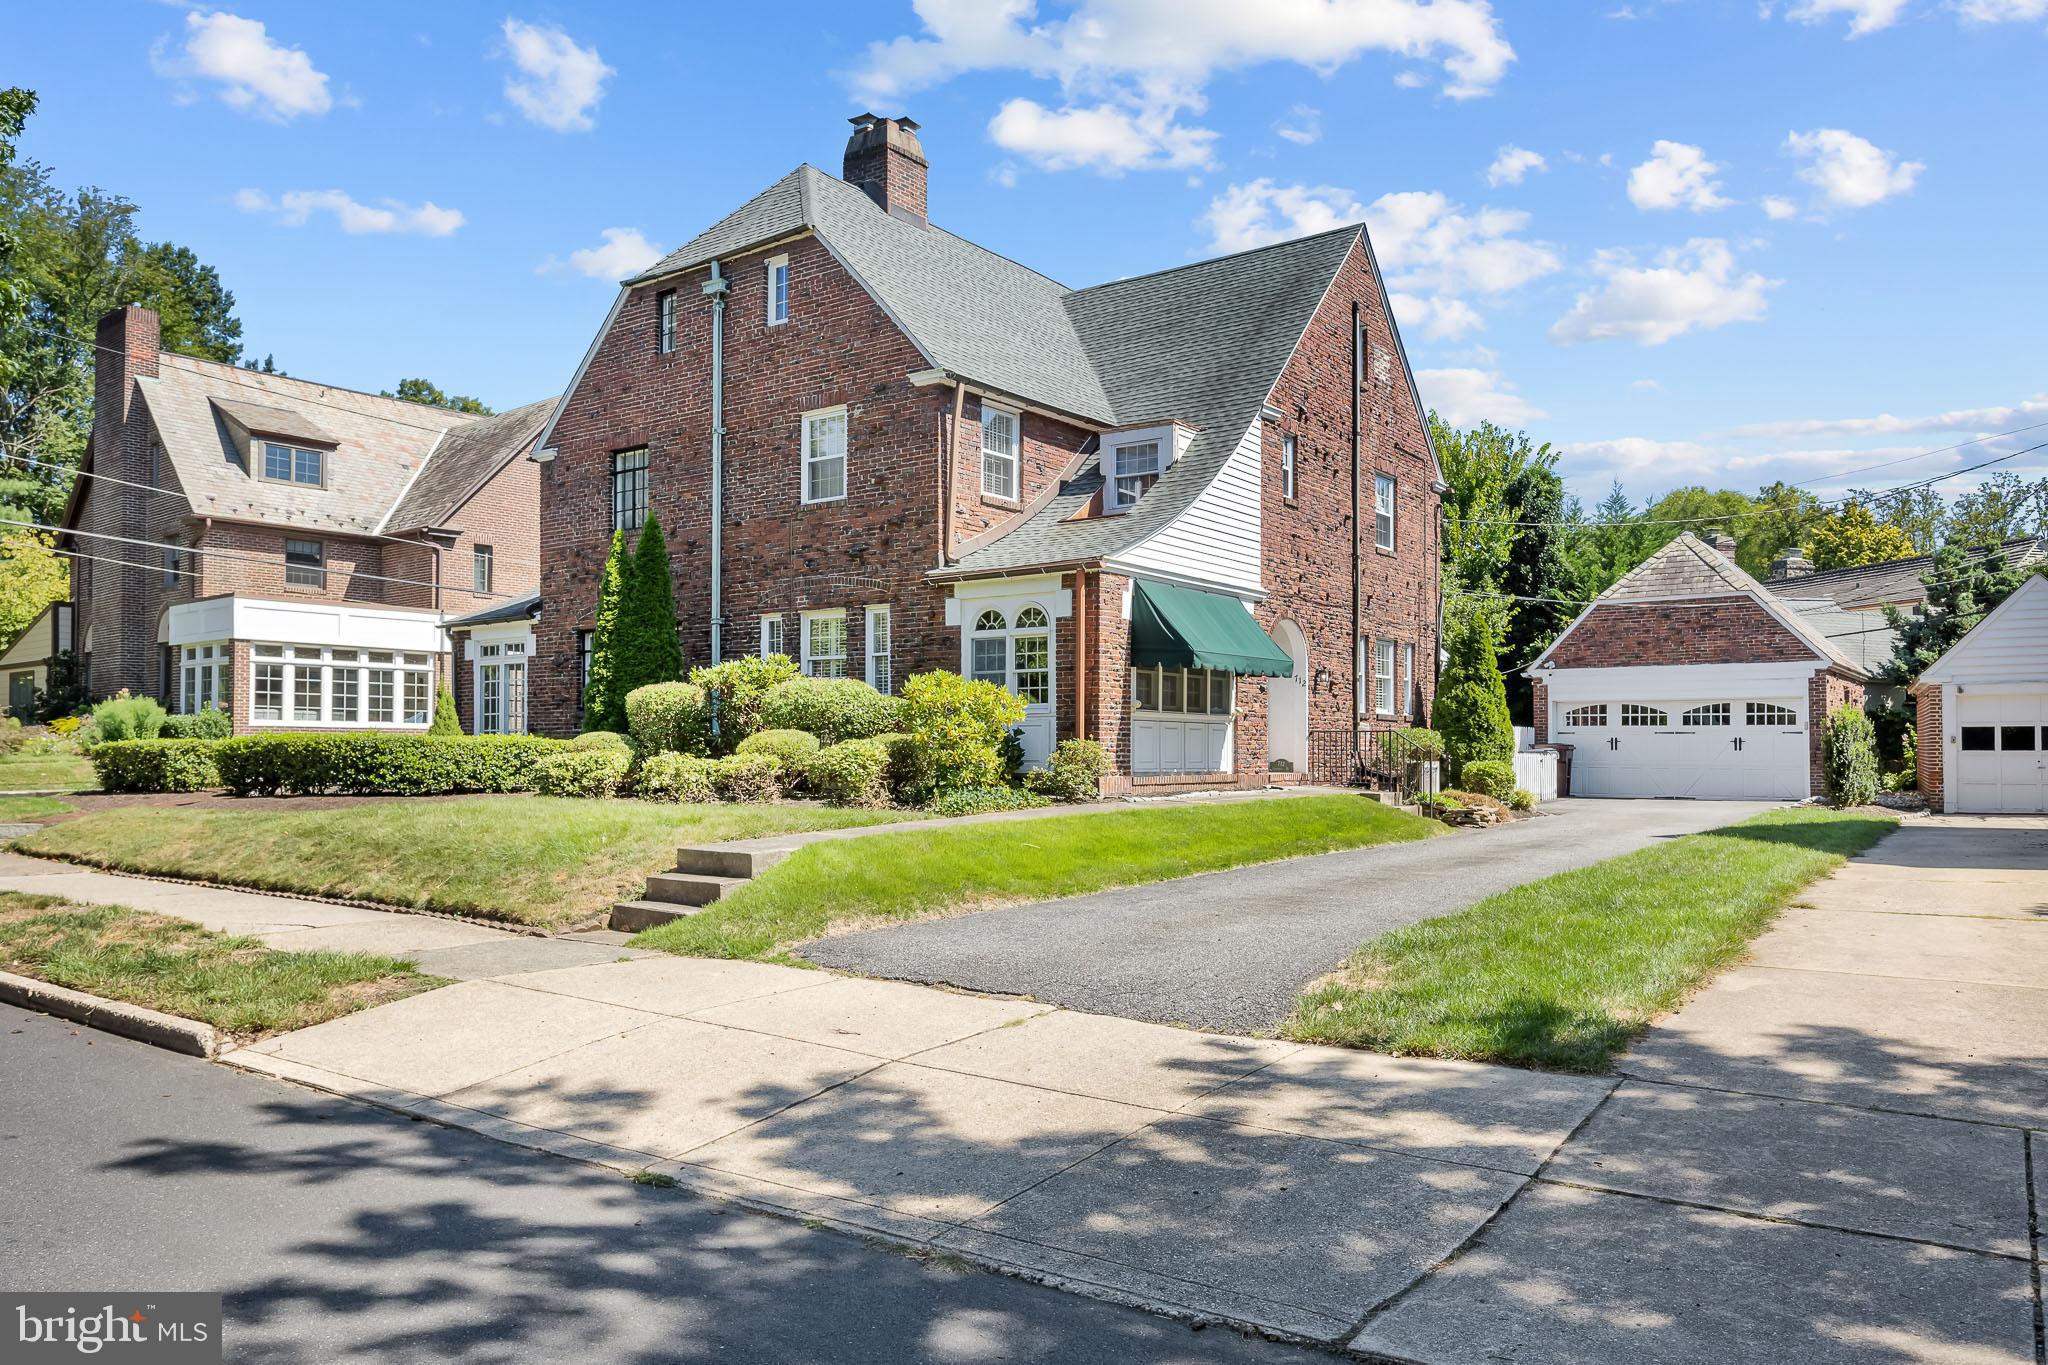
[
  {"x": 21, "y": 692},
  {"x": 1015, "y": 651}
]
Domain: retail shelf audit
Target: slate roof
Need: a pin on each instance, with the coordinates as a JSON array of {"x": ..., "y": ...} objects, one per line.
[
  {"x": 1872, "y": 585},
  {"x": 378, "y": 445},
  {"x": 464, "y": 461}
]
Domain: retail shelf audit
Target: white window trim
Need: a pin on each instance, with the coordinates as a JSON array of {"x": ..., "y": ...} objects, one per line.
[
  {"x": 845, "y": 451},
  {"x": 1392, "y": 488},
  {"x": 214, "y": 658},
  {"x": 1112, "y": 501},
  {"x": 1383, "y": 698},
  {"x": 772, "y": 624},
  {"x": 1360, "y": 673},
  {"x": 509, "y": 649},
  {"x": 774, "y": 263},
  {"x": 880, "y": 612},
  {"x": 327, "y": 665},
  {"x": 1289, "y": 453},
  {"x": 810, "y": 656},
  {"x": 1015, "y": 457},
  {"x": 1407, "y": 677}
]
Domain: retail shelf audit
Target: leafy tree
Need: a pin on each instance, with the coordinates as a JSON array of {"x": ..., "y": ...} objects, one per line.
[
  {"x": 645, "y": 649},
  {"x": 604, "y": 701},
  {"x": 424, "y": 391},
  {"x": 1962, "y": 589},
  {"x": 1613, "y": 541},
  {"x": 1478, "y": 466},
  {"x": 1471, "y": 699},
  {"x": 31, "y": 578},
  {"x": 1785, "y": 517},
  {"x": 2001, "y": 508},
  {"x": 1536, "y": 573},
  {"x": 1919, "y": 512},
  {"x": 1851, "y": 537}
]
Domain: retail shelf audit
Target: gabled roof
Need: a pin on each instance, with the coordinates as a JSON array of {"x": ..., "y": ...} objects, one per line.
[
  {"x": 2024, "y": 610},
  {"x": 1872, "y": 585},
  {"x": 466, "y": 459}
]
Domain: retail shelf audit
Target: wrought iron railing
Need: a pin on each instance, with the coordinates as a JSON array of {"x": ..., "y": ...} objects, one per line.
[{"x": 1376, "y": 759}]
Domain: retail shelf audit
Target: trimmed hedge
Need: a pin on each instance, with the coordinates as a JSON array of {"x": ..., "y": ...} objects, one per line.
[
  {"x": 668, "y": 718},
  {"x": 833, "y": 709},
  {"x": 855, "y": 773},
  {"x": 1073, "y": 773},
  {"x": 736, "y": 688},
  {"x": 791, "y": 748},
  {"x": 156, "y": 765},
  {"x": 367, "y": 763},
  {"x": 212, "y": 723},
  {"x": 676, "y": 777},
  {"x": 594, "y": 772}
]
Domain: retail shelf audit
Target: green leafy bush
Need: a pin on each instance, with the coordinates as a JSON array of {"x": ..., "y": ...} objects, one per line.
[
  {"x": 676, "y": 777},
  {"x": 582, "y": 772},
  {"x": 1489, "y": 777},
  {"x": 854, "y": 773},
  {"x": 447, "y": 720},
  {"x": 386, "y": 764},
  {"x": 1521, "y": 798},
  {"x": 604, "y": 742},
  {"x": 982, "y": 800},
  {"x": 1849, "y": 757},
  {"x": 833, "y": 709},
  {"x": 734, "y": 690},
  {"x": 1073, "y": 773},
  {"x": 1472, "y": 700},
  {"x": 956, "y": 728},
  {"x": 747, "y": 777},
  {"x": 122, "y": 717},
  {"x": 212, "y": 723},
  {"x": 791, "y": 748},
  {"x": 155, "y": 765},
  {"x": 667, "y": 718},
  {"x": 1414, "y": 745}
]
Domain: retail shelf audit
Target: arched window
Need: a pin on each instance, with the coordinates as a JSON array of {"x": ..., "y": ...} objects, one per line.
[
  {"x": 991, "y": 620},
  {"x": 1031, "y": 618}
]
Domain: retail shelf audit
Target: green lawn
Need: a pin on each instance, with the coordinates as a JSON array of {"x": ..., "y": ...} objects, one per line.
[
  {"x": 1565, "y": 971},
  {"x": 235, "y": 984},
  {"x": 548, "y": 861},
  {"x": 844, "y": 882},
  {"x": 26, "y": 772},
  {"x": 14, "y": 808}
]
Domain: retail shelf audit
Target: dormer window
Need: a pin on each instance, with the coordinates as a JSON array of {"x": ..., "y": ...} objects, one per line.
[
  {"x": 1134, "y": 468},
  {"x": 293, "y": 464},
  {"x": 998, "y": 452}
]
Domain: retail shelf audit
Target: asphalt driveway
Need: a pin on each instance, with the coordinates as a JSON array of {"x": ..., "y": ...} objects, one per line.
[{"x": 1231, "y": 950}]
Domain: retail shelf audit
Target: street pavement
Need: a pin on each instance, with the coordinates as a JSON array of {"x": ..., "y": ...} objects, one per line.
[{"x": 1231, "y": 950}]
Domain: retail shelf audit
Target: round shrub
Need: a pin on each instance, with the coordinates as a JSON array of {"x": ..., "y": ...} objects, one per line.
[
  {"x": 833, "y": 709},
  {"x": 122, "y": 717},
  {"x": 791, "y": 748},
  {"x": 155, "y": 765},
  {"x": 582, "y": 772},
  {"x": 1521, "y": 798},
  {"x": 604, "y": 742},
  {"x": 667, "y": 718},
  {"x": 676, "y": 777},
  {"x": 734, "y": 690},
  {"x": 747, "y": 777},
  {"x": 1489, "y": 777},
  {"x": 956, "y": 730},
  {"x": 1073, "y": 773},
  {"x": 982, "y": 800},
  {"x": 212, "y": 723},
  {"x": 1849, "y": 757},
  {"x": 855, "y": 773}
]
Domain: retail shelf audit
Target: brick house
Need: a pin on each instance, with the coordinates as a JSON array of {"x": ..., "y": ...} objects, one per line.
[
  {"x": 286, "y": 548},
  {"x": 1689, "y": 678},
  {"x": 1193, "y": 515}
]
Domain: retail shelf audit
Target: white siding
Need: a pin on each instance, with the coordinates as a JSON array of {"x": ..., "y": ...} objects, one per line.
[
  {"x": 1216, "y": 540},
  {"x": 2008, "y": 646}
]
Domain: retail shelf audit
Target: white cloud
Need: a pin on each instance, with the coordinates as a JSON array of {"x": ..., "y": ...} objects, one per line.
[
  {"x": 255, "y": 74},
  {"x": 1778, "y": 208},
  {"x": 623, "y": 252},
  {"x": 1467, "y": 397},
  {"x": 2002, "y": 11},
  {"x": 1103, "y": 137},
  {"x": 558, "y": 84},
  {"x": 1865, "y": 16},
  {"x": 1646, "y": 385},
  {"x": 1691, "y": 288},
  {"x": 1972, "y": 420},
  {"x": 294, "y": 208},
  {"x": 1513, "y": 164},
  {"x": 1246, "y": 216},
  {"x": 1439, "y": 319},
  {"x": 1127, "y": 69},
  {"x": 1302, "y": 126},
  {"x": 1677, "y": 175},
  {"x": 1625, "y": 457},
  {"x": 1850, "y": 171},
  {"x": 1426, "y": 242}
]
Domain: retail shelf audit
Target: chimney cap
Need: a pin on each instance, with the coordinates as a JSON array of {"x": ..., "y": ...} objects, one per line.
[{"x": 869, "y": 120}]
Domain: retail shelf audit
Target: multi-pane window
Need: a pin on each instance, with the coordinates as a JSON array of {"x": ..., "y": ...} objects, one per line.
[
  {"x": 345, "y": 702},
  {"x": 881, "y": 673},
  {"x": 305, "y": 564},
  {"x": 998, "y": 452},
  {"x": 1383, "y": 511},
  {"x": 1383, "y": 676},
  {"x": 418, "y": 699},
  {"x": 665, "y": 321},
  {"x": 1287, "y": 456},
  {"x": 480, "y": 564},
  {"x": 383, "y": 685},
  {"x": 204, "y": 677},
  {"x": 1713, "y": 713},
  {"x": 171, "y": 566},
  {"x": 1635, "y": 713},
  {"x": 989, "y": 652},
  {"x": 1764, "y": 713},
  {"x": 1184, "y": 691},
  {"x": 771, "y": 636},
  {"x": 824, "y": 478},
  {"x": 501, "y": 688},
  {"x": 315, "y": 685},
  {"x": 309, "y": 684},
  {"x": 1594, "y": 716},
  {"x": 629, "y": 489},
  {"x": 778, "y": 290},
  {"x": 825, "y": 644},
  {"x": 267, "y": 692},
  {"x": 291, "y": 464},
  {"x": 1031, "y": 656},
  {"x": 1136, "y": 468}
]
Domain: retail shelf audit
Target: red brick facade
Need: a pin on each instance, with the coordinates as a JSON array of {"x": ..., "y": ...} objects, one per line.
[
  {"x": 1927, "y": 738},
  {"x": 1824, "y": 692},
  {"x": 1707, "y": 630}
]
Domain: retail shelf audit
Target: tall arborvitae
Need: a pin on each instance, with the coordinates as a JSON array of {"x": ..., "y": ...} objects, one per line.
[
  {"x": 604, "y": 705},
  {"x": 647, "y": 649}
]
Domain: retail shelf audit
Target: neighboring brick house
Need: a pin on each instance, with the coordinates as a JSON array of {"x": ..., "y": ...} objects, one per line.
[
  {"x": 1193, "y": 515},
  {"x": 286, "y": 548},
  {"x": 1690, "y": 678}
]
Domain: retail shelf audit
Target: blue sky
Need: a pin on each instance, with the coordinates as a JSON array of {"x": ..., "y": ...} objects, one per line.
[{"x": 1683, "y": 240}]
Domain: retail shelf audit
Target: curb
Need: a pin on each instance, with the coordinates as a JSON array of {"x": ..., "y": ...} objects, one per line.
[{"x": 111, "y": 1016}]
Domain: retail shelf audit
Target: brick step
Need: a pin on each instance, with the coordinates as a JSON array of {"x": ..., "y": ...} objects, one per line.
[
  {"x": 689, "y": 888},
  {"x": 710, "y": 860},
  {"x": 630, "y": 917}
]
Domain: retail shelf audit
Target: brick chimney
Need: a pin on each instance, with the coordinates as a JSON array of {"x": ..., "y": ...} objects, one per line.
[
  {"x": 1791, "y": 563},
  {"x": 1723, "y": 542},
  {"x": 113, "y": 614},
  {"x": 128, "y": 339},
  {"x": 885, "y": 159}
]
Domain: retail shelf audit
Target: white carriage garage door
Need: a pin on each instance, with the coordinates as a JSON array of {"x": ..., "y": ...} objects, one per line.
[
  {"x": 1751, "y": 748},
  {"x": 2002, "y": 762}
]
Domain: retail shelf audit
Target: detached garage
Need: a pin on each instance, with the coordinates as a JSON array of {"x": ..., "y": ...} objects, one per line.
[
  {"x": 1982, "y": 713},
  {"x": 1688, "y": 678}
]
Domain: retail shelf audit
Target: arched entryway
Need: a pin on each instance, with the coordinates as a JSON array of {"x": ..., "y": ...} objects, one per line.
[{"x": 1287, "y": 702}]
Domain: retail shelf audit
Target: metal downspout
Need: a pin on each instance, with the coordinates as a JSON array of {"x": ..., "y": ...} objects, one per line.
[
  {"x": 715, "y": 289},
  {"x": 1357, "y": 606}
]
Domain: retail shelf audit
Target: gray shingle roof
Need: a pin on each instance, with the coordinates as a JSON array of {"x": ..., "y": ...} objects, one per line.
[
  {"x": 1897, "y": 581},
  {"x": 514, "y": 610},
  {"x": 1689, "y": 567},
  {"x": 466, "y": 458}
]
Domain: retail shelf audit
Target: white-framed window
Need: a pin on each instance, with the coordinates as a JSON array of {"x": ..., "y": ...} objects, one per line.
[
  {"x": 205, "y": 676},
  {"x": 1636, "y": 714},
  {"x": 1383, "y": 511},
  {"x": 1184, "y": 691},
  {"x": 1287, "y": 457},
  {"x": 771, "y": 636},
  {"x": 586, "y": 650},
  {"x": 825, "y": 455},
  {"x": 1713, "y": 713},
  {"x": 778, "y": 290},
  {"x": 1383, "y": 676},
  {"x": 305, "y": 564},
  {"x": 1133, "y": 469},
  {"x": 1764, "y": 713},
  {"x": 480, "y": 564},
  {"x": 629, "y": 489},
  {"x": 988, "y": 657},
  {"x": 293, "y": 464},
  {"x": 1407, "y": 678},
  {"x": 1014, "y": 652},
  {"x": 1593, "y": 717},
  {"x": 665, "y": 322},
  {"x": 881, "y": 670},
  {"x": 824, "y": 644},
  {"x": 501, "y": 687},
  {"x": 999, "y": 443},
  {"x": 314, "y": 685}
]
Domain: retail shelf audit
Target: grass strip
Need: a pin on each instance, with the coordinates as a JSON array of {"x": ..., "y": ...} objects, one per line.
[
  {"x": 1564, "y": 972},
  {"x": 47, "y": 772},
  {"x": 547, "y": 861},
  {"x": 31, "y": 807},
  {"x": 233, "y": 983},
  {"x": 842, "y": 883}
]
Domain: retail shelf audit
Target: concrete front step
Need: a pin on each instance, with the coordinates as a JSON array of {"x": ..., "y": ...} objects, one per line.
[
  {"x": 718, "y": 860},
  {"x": 689, "y": 888},
  {"x": 630, "y": 917}
]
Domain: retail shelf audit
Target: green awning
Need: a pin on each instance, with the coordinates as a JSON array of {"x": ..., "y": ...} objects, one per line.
[{"x": 1188, "y": 628}]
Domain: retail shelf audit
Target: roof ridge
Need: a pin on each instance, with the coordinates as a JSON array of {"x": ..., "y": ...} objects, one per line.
[
  {"x": 1226, "y": 256},
  {"x": 406, "y": 403}
]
